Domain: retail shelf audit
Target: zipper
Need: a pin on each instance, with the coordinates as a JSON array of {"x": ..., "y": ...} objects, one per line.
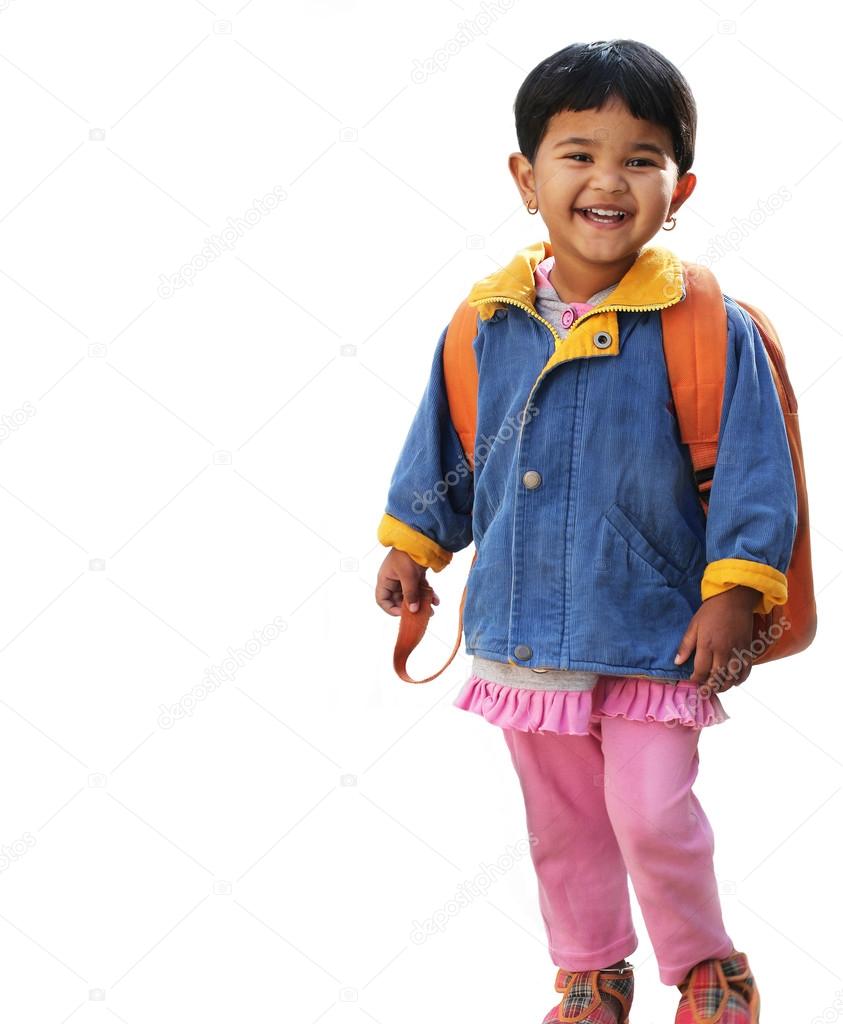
[
  {"x": 612, "y": 307},
  {"x": 528, "y": 309}
]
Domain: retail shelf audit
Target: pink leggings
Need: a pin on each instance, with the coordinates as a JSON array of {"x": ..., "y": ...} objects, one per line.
[{"x": 620, "y": 800}]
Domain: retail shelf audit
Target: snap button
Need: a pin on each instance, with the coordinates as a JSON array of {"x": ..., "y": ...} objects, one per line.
[
  {"x": 522, "y": 652},
  {"x": 567, "y": 318},
  {"x": 602, "y": 339},
  {"x": 531, "y": 479}
]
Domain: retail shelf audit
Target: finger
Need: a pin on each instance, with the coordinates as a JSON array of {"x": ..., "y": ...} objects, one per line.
[
  {"x": 736, "y": 678},
  {"x": 702, "y": 666},
  {"x": 746, "y": 668},
  {"x": 719, "y": 683},
  {"x": 721, "y": 676},
  {"x": 734, "y": 669},
  {"x": 410, "y": 587},
  {"x": 745, "y": 674},
  {"x": 388, "y": 594},
  {"x": 687, "y": 644}
]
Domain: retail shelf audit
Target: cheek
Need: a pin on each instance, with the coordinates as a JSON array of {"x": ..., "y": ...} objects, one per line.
[
  {"x": 655, "y": 196},
  {"x": 664, "y": 189}
]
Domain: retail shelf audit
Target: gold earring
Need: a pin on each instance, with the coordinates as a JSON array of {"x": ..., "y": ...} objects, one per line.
[
  {"x": 528, "y": 207},
  {"x": 672, "y": 218}
]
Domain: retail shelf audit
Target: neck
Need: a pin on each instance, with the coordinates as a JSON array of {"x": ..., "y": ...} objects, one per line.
[{"x": 577, "y": 282}]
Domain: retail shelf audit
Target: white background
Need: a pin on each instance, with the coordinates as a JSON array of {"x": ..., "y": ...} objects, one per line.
[{"x": 180, "y": 467}]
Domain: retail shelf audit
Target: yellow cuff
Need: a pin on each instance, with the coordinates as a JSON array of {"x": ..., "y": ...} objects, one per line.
[
  {"x": 394, "y": 533},
  {"x": 726, "y": 573}
]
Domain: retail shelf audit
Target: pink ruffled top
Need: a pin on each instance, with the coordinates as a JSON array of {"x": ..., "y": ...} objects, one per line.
[{"x": 571, "y": 711}]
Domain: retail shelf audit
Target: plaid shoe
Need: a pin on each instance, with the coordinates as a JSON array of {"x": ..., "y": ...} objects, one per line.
[
  {"x": 593, "y": 997},
  {"x": 719, "y": 992}
]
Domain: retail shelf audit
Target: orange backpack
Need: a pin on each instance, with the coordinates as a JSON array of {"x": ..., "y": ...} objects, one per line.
[{"x": 695, "y": 336}]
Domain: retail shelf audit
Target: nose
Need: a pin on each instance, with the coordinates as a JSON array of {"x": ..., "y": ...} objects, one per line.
[{"x": 607, "y": 179}]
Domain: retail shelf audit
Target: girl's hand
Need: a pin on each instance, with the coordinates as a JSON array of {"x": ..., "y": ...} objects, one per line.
[
  {"x": 401, "y": 577},
  {"x": 721, "y": 632}
]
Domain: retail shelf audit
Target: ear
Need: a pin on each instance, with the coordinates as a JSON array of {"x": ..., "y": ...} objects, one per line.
[
  {"x": 684, "y": 187},
  {"x": 522, "y": 173}
]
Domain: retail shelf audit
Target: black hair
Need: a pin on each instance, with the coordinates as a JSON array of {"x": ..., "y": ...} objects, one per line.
[{"x": 583, "y": 76}]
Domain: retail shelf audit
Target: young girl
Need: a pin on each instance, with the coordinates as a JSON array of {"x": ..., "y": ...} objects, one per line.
[{"x": 597, "y": 574}]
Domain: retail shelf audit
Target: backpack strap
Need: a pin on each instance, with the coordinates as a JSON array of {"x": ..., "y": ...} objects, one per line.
[
  {"x": 461, "y": 384},
  {"x": 695, "y": 335},
  {"x": 461, "y": 376}
]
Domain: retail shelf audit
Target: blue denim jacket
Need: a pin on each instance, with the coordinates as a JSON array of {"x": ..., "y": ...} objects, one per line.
[{"x": 592, "y": 549}]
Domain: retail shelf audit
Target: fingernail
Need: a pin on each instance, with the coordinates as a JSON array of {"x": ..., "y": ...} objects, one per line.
[
  {"x": 414, "y": 607},
  {"x": 676, "y": 659}
]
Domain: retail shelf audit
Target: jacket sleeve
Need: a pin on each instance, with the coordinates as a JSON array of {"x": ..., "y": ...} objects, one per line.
[
  {"x": 429, "y": 503},
  {"x": 752, "y": 512}
]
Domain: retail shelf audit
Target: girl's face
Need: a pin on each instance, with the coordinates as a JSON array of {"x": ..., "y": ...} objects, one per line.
[{"x": 619, "y": 162}]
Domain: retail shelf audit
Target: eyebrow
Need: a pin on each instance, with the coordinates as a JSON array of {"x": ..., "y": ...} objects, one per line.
[{"x": 576, "y": 140}]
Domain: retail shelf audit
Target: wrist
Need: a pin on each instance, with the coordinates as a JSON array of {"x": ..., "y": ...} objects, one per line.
[{"x": 745, "y": 595}]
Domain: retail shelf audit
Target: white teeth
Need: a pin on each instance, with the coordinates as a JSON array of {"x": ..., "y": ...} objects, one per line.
[{"x": 605, "y": 213}]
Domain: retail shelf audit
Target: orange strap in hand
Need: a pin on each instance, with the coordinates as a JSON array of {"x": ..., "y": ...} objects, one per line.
[{"x": 412, "y": 627}]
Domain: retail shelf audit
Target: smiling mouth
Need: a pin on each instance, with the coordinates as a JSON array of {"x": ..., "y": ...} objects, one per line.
[
  {"x": 616, "y": 217},
  {"x": 613, "y": 222}
]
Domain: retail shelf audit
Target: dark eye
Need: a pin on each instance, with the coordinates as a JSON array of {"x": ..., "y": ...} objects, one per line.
[{"x": 636, "y": 159}]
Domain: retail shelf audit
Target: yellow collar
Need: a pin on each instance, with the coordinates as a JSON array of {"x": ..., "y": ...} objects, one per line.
[{"x": 652, "y": 282}]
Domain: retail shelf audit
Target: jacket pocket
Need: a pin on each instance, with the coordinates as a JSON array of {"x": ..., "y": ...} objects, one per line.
[{"x": 624, "y": 524}]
